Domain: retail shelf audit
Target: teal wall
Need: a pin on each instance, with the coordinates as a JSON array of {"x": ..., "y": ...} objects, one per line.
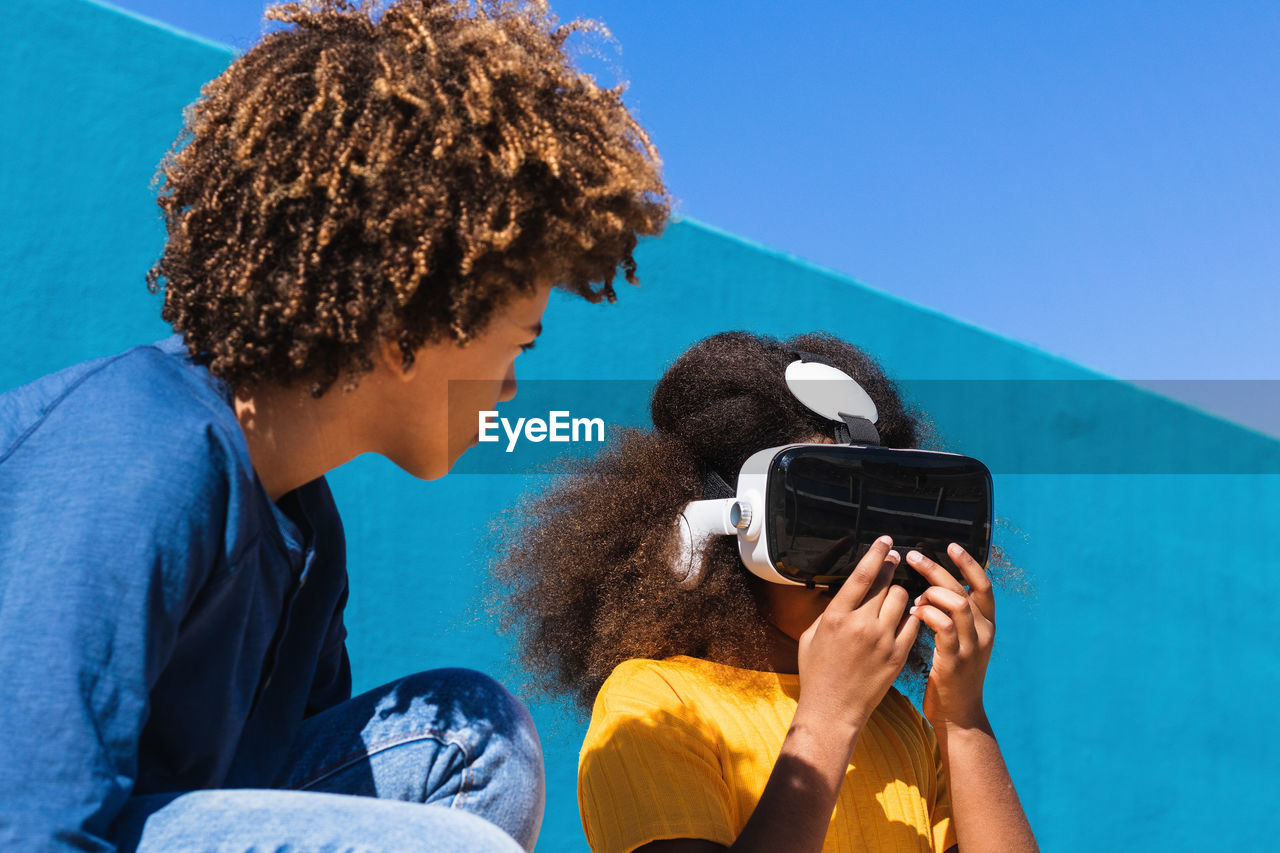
[{"x": 1131, "y": 688}]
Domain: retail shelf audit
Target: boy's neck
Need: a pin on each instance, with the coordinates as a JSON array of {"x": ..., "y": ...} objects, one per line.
[{"x": 295, "y": 438}]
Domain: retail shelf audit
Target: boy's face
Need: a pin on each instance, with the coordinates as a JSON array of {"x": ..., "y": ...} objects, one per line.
[{"x": 429, "y": 415}]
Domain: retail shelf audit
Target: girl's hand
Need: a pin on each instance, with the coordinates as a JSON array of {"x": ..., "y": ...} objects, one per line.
[
  {"x": 851, "y": 654},
  {"x": 964, "y": 631},
  {"x": 984, "y": 803}
]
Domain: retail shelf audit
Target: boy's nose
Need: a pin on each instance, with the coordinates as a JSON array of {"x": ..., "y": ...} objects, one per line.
[{"x": 508, "y": 385}]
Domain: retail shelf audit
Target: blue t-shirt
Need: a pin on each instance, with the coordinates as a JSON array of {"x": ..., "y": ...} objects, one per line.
[{"x": 164, "y": 626}]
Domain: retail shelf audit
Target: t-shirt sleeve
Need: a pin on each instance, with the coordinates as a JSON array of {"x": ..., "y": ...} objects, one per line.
[
  {"x": 104, "y": 543},
  {"x": 649, "y": 770},
  {"x": 943, "y": 827}
]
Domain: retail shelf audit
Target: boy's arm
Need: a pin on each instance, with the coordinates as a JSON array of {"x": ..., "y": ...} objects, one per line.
[{"x": 102, "y": 550}]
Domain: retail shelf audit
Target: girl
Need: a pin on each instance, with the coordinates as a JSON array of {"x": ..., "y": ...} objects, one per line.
[{"x": 741, "y": 714}]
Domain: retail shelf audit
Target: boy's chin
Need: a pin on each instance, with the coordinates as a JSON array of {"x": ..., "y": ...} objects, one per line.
[{"x": 427, "y": 467}]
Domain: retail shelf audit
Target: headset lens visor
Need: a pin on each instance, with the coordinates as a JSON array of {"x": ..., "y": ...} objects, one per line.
[{"x": 826, "y": 504}]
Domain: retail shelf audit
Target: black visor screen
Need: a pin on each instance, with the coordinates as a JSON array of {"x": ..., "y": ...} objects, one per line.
[{"x": 826, "y": 504}]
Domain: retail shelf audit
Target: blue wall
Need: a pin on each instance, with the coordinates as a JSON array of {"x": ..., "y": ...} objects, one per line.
[{"x": 1131, "y": 688}]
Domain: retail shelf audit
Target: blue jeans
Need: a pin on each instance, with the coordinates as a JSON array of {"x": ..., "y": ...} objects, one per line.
[{"x": 440, "y": 761}]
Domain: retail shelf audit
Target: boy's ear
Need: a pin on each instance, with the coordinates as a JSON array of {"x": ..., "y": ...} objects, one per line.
[{"x": 392, "y": 358}]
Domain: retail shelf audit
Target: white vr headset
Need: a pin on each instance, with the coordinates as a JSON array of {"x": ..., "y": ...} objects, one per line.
[{"x": 804, "y": 514}]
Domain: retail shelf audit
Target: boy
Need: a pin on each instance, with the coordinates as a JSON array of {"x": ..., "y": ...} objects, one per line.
[{"x": 360, "y": 209}]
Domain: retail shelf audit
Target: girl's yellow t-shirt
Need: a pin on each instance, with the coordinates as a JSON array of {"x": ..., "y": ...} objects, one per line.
[{"x": 682, "y": 748}]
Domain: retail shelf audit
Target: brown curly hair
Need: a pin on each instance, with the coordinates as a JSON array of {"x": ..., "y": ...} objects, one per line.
[
  {"x": 366, "y": 175},
  {"x": 585, "y": 570}
]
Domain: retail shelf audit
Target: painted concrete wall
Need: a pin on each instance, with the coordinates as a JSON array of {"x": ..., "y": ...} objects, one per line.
[{"x": 1131, "y": 689}]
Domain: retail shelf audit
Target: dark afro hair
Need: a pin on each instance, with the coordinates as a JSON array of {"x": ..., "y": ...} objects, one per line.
[
  {"x": 364, "y": 175},
  {"x": 585, "y": 571}
]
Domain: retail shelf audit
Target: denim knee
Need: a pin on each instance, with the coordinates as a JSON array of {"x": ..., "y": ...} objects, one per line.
[
  {"x": 460, "y": 698},
  {"x": 504, "y": 779}
]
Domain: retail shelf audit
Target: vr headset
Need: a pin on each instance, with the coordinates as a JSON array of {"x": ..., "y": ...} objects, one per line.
[{"x": 805, "y": 514}]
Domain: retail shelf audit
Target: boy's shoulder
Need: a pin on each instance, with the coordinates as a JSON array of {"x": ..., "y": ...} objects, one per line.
[
  {"x": 137, "y": 454},
  {"x": 148, "y": 398},
  {"x": 146, "y": 427}
]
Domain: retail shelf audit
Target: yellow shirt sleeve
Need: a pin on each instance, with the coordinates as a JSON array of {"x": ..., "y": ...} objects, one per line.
[{"x": 649, "y": 769}]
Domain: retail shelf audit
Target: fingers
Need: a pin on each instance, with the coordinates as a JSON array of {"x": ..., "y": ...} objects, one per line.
[
  {"x": 932, "y": 572},
  {"x": 875, "y": 596},
  {"x": 945, "y": 637},
  {"x": 894, "y": 606},
  {"x": 949, "y": 614},
  {"x": 905, "y": 636},
  {"x": 864, "y": 575},
  {"x": 980, "y": 590},
  {"x": 894, "y": 617}
]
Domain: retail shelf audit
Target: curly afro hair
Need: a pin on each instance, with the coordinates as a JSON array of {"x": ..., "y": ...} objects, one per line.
[
  {"x": 585, "y": 571},
  {"x": 369, "y": 174}
]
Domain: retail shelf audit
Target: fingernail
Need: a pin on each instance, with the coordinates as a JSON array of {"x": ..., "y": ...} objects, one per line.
[
  {"x": 913, "y": 610},
  {"x": 884, "y": 540},
  {"x": 914, "y": 556}
]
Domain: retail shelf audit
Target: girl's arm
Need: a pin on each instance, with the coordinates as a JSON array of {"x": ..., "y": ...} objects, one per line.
[
  {"x": 848, "y": 659},
  {"x": 984, "y": 804}
]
